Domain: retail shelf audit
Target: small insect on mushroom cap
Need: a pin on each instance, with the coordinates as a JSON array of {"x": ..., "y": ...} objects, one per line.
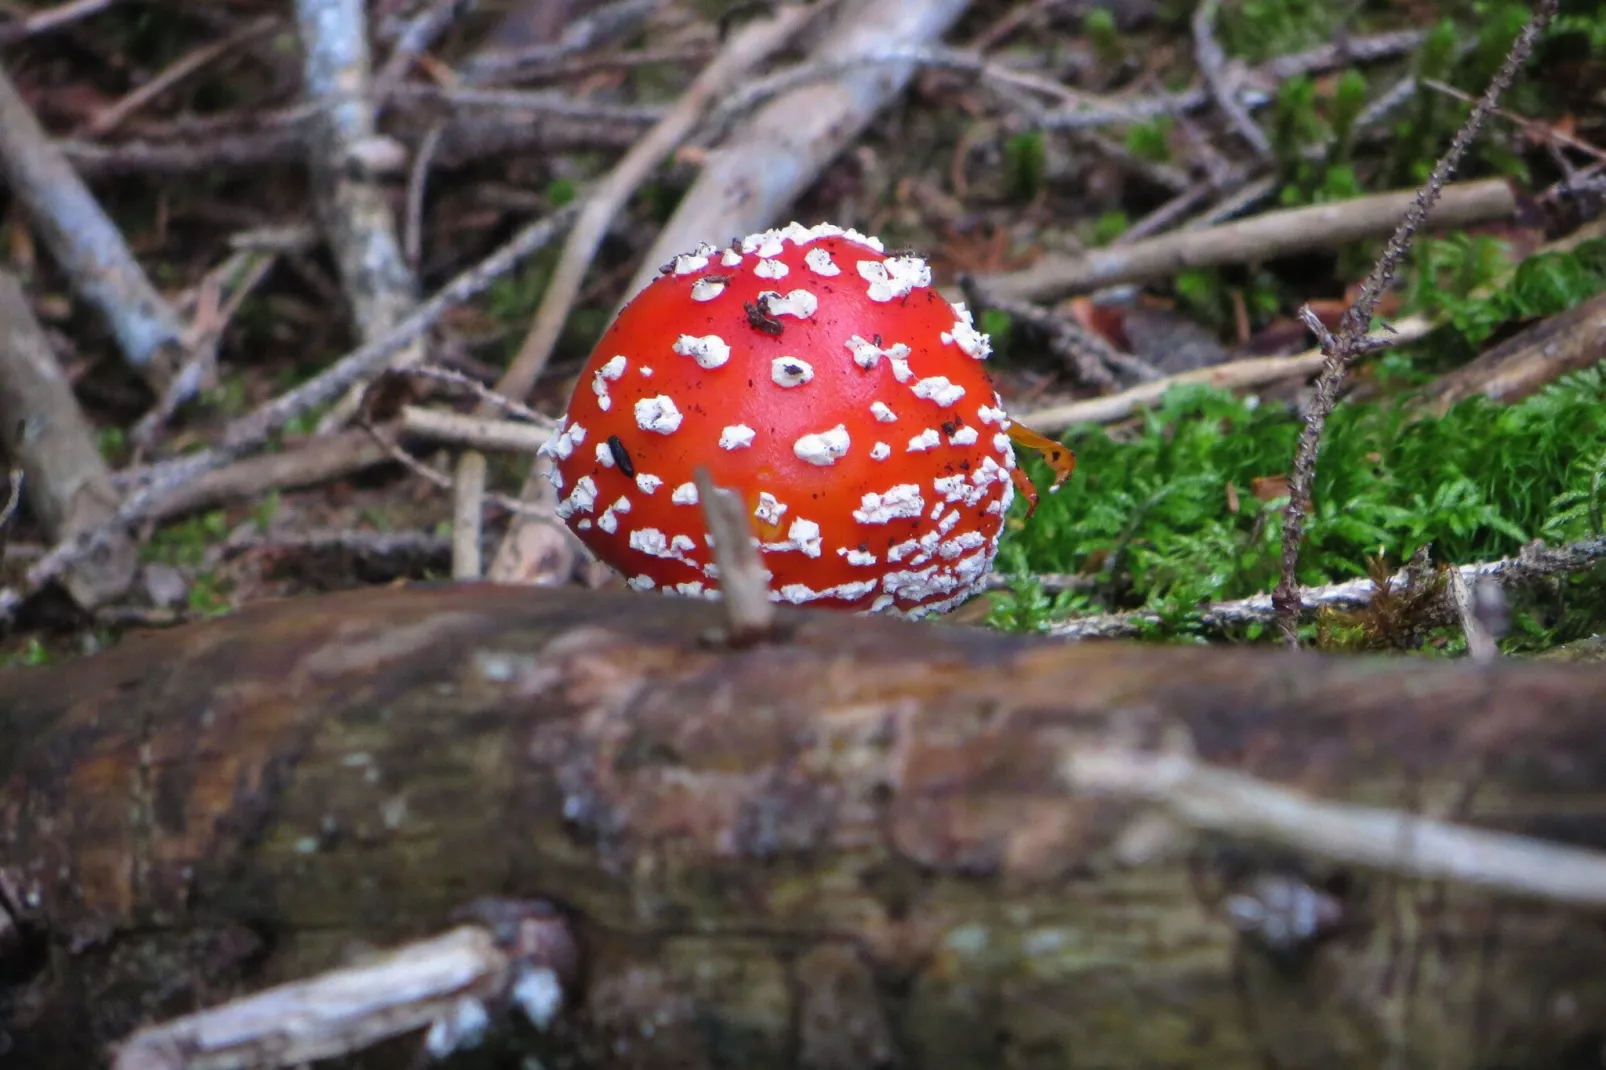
[{"x": 829, "y": 385}]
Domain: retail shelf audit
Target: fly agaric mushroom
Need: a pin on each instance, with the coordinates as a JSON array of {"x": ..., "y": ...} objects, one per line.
[{"x": 826, "y": 383}]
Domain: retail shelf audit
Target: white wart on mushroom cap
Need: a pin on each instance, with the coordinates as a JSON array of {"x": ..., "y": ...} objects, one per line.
[{"x": 826, "y": 382}]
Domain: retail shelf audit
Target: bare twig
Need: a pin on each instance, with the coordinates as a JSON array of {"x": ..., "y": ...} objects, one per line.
[
  {"x": 1212, "y": 62},
  {"x": 745, "y": 50},
  {"x": 1262, "y": 237},
  {"x": 45, "y": 433},
  {"x": 1088, "y": 357},
  {"x": 317, "y": 460},
  {"x": 417, "y": 181},
  {"x": 1411, "y": 845},
  {"x": 1233, "y": 375},
  {"x": 417, "y": 545},
  {"x": 110, "y": 117},
  {"x": 536, "y": 102},
  {"x": 467, "y": 137},
  {"x": 86, "y": 243},
  {"x": 488, "y": 398},
  {"x": 744, "y": 582},
  {"x": 8, "y": 509},
  {"x": 1540, "y": 131},
  {"x": 252, "y": 430},
  {"x": 1533, "y": 563},
  {"x": 52, "y": 19},
  {"x": 414, "y": 38},
  {"x": 761, "y": 169},
  {"x": 607, "y": 22},
  {"x": 351, "y": 205},
  {"x": 476, "y": 432},
  {"x": 830, "y": 65},
  {"x": 1351, "y": 339},
  {"x": 468, "y": 507},
  {"x": 239, "y": 275}
]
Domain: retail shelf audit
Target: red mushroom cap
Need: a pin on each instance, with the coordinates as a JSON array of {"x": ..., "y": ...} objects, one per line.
[{"x": 829, "y": 385}]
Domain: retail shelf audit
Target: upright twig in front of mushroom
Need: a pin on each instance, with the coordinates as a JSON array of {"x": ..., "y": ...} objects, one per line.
[
  {"x": 744, "y": 581},
  {"x": 351, "y": 206},
  {"x": 1350, "y": 341}
]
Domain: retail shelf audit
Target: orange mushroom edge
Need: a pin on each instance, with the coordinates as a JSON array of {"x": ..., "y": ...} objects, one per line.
[{"x": 829, "y": 385}]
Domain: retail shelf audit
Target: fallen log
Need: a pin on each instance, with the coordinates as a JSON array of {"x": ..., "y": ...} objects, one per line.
[{"x": 865, "y": 843}]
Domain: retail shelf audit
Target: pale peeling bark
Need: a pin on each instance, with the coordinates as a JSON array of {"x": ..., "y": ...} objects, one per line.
[{"x": 855, "y": 846}]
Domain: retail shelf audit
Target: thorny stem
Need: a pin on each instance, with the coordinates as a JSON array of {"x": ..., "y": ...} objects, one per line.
[{"x": 1349, "y": 341}]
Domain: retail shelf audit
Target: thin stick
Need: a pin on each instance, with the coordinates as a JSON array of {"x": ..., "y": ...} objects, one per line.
[
  {"x": 417, "y": 181},
  {"x": 1538, "y": 130},
  {"x": 1263, "y": 237},
  {"x": 242, "y": 272},
  {"x": 417, "y": 35},
  {"x": 607, "y": 22},
  {"x": 1415, "y": 846},
  {"x": 468, "y": 507},
  {"x": 744, "y": 582},
  {"x": 1212, "y": 60},
  {"x": 86, "y": 243},
  {"x": 14, "y": 481},
  {"x": 1233, "y": 375},
  {"x": 751, "y": 46},
  {"x": 253, "y": 429},
  {"x": 1351, "y": 339},
  {"x": 760, "y": 170},
  {"x": 112, "y": 116},
  {"x": 488, "y": 399},
  {"x": 1507, "y": 572},
  {"x": 476, "y": 432},
  {"x": 52, "y": 19}
]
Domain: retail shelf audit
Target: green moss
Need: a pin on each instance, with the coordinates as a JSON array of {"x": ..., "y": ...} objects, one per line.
[
  {"x": 1025, "y": 164},
  {"x": 184, "y": 544},
  {"x": 1188, "y": 507}
]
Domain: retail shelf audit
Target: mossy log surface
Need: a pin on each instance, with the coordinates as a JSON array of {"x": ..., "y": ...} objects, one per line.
[{"x": 852, "y": 847}]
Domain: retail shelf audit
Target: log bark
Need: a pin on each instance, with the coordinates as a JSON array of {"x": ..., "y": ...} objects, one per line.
[{"x": 855, "y": 846}]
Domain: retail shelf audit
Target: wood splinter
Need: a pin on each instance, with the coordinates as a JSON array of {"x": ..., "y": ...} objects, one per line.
[
  {"x": 510, "y": 953},
  {"x": 744, "y": 582}
]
